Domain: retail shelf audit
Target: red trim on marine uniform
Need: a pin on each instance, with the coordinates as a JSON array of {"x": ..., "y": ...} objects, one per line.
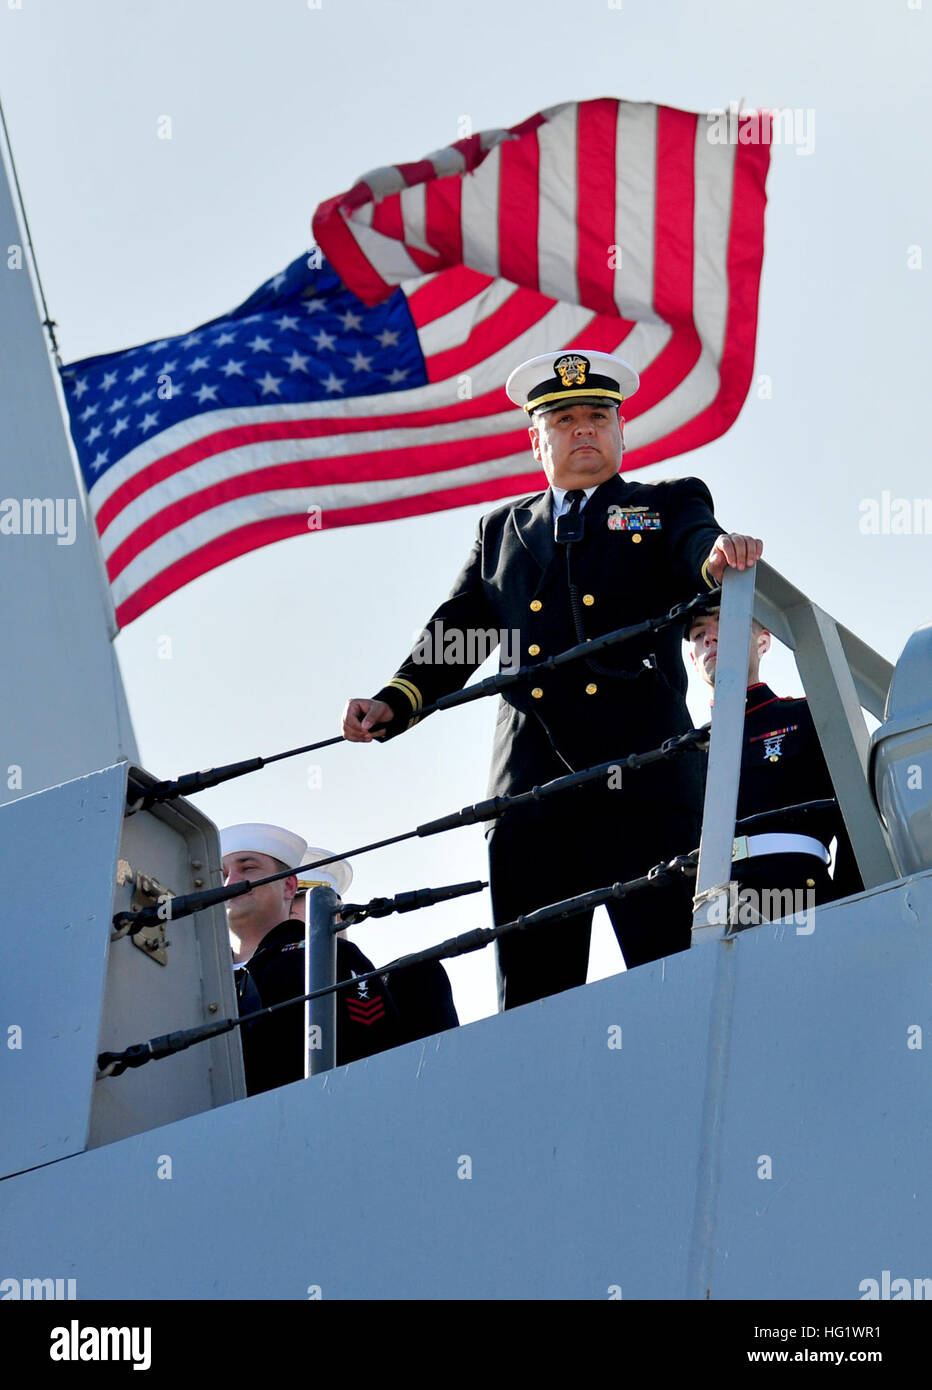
[{"x": 760, "y": 685}]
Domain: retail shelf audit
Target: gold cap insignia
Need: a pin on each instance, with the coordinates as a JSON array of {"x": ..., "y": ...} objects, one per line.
[{"x": 572, "y": 370}]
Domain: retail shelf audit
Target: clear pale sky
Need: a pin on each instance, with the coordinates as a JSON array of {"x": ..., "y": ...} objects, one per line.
[{"x": 277, "y": 105}]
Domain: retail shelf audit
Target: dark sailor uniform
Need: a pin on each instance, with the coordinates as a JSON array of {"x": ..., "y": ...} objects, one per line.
[
  {"x": 643, "y": 549},
  {"x": 369, "y": 1017},
  {"x": 782, "y": 765}
]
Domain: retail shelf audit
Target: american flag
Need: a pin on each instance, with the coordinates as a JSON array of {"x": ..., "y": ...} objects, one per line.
[{"x": 370, "y": 385}]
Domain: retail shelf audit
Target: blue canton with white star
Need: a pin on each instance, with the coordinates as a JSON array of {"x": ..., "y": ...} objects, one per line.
[{"x": 303, "y": 336}]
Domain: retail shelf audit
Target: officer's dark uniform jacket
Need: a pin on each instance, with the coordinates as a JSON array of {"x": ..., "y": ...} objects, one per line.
[
  {"x": 644, "y": 549},
  {"x": 782, "y": 765},
  {"x": 369, "y": 1019}
]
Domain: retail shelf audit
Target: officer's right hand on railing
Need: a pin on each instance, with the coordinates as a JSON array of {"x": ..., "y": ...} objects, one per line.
[{"x": 361, "y": 716}]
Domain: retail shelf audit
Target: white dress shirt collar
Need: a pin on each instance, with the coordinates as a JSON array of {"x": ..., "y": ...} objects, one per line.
[{"x": 560, "y": 504}]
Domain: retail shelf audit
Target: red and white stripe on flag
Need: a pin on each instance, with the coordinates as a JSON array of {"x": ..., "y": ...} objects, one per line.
[{"x": 613, "y": 225}]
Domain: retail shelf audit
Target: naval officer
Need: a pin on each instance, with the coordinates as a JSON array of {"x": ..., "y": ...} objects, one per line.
[{"x": 591, "y": 553}]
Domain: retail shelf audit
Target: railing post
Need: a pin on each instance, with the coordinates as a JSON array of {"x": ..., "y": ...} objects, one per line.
[
  {"x": 320, "y": 970},
  {"x": 711, "y": 903},
  {"x": 836, "y": 712}
]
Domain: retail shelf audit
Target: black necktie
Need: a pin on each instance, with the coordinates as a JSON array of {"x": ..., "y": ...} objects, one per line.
[{"x": 571, "y": 525}]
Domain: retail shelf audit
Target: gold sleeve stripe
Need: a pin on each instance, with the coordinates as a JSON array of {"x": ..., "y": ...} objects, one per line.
[
  {"x": 705, "y": 574},
  {"x": 412, "y": 692}
]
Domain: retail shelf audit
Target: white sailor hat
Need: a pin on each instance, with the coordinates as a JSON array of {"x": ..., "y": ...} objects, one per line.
[
  {"x": 337, "y": 875},
  {"x": 258, "y": 838},
  {"x": 579, "y": 377}
]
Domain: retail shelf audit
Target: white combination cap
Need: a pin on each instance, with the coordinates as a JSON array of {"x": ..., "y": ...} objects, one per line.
[
  {"x": 578, "y": 377},
  {"x": 337, "y": 875},
  {"x": 257, "y": 838}
]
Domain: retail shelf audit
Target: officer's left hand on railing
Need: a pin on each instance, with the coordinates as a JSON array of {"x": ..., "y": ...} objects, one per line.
[{"x": 733, "y": 549}]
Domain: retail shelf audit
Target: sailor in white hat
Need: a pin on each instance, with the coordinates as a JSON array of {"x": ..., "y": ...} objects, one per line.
[
  {"x": 254, "y": 850},
  {"x": 593, "y": 552},
  {"x": 268, "y": 949},
  {"x": 338, "y": 876}
]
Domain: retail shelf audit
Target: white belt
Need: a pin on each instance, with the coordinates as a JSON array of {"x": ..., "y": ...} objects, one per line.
[{"x": 746, "y": 846}]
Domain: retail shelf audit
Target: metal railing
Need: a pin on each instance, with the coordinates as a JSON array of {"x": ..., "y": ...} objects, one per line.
[{"x": 840, "y": 673}]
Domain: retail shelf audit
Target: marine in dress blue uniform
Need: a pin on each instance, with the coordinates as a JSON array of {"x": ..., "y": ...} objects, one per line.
[
  {"x": 626, "y": 551},
  {"x": 782, "y": 766}
]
